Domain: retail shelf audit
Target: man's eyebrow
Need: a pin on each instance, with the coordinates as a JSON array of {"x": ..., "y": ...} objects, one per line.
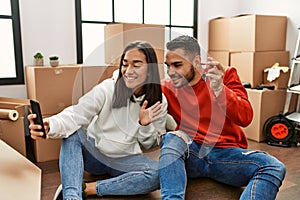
[{"x": 177, "y": 62}]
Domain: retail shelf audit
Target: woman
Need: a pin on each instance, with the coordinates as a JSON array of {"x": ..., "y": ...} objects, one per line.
[{"x": 121, "y": 115}]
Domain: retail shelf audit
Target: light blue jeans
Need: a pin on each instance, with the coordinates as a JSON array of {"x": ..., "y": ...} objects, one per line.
[
  {"x": 260, "y": 173},
  {"x": 131, "y": 175}
]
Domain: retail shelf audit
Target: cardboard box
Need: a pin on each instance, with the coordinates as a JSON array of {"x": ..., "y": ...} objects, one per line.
[
  {"x": 279, "y": 83},
  {"x": 13, "y": 132},
  {"x": 19, "y": 178},
  {"x": 117, "y": 37},
  {"x": 221, "y": 56},
  {"x": 54, "y": 87},
  {"x": 265, "y": 104},
  {"x": 250, "y": 65},
  {"x": 219, "y": 35},
  {"x": 258, "y": 33},
  {"x": 248, "y": 33},
  {"x": 92, "y": 75},
  {"x": 46, "y": 150}
]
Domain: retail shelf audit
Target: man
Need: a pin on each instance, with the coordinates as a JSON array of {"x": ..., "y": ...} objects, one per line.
[{"x": 210, "y": 105}]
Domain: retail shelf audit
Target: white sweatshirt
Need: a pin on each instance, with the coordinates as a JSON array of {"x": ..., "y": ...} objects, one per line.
[{"x": 117, "y": 132}]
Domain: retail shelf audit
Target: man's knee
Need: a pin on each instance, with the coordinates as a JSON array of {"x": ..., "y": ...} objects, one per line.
[{"x": 175, "y": 136}]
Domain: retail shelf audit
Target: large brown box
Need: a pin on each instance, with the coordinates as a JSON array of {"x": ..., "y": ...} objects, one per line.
[
  {"x": 258, "y": 33},
  {"x": 13, "y": 132},
  {"x": 250, "y": 65},
  {"x": 19, "y": 178},
  {"x": 248, "y": 33},
  {"x": 265, "y": 104},
  {"x": 117, "y": 37},
  {"x": 46, "y": 150},
  {"x": 92, "y": 75},
  {"x": 219, "y": 34},
  {"x": 54, "y": 87},
  {"x": 221, "y": 56}
]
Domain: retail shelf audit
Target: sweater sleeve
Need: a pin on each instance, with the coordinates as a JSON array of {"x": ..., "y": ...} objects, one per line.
[
  {"x": 150, "y": 135},
  {"x": 73, "y": 117},
  {"x": 234, "y": 99}
]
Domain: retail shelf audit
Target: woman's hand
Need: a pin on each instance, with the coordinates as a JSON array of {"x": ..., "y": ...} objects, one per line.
[
  {"x": 150, "y": 114},
  {"x": 35, "y": 129}
]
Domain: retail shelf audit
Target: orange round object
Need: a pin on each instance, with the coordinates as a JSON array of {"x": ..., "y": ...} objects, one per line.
[{"x": 279, "y": 130}]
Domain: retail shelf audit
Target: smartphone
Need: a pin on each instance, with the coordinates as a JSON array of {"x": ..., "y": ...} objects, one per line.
[{"x": 35, "y": 108}]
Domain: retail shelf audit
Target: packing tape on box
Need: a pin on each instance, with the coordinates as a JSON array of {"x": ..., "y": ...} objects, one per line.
[{"x": 12, "y": 115}]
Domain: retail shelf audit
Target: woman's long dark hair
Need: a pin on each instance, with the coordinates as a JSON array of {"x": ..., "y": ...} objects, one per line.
[{"x": 151, "y": 87}]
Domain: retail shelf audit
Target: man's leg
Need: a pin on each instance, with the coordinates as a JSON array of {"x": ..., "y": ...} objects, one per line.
[
  {"x": 261, "y": 173},
  {"x": 172, "y": 172}
]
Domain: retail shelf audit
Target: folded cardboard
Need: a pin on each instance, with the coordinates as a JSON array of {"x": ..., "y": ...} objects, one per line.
[
  {"x": 13, "y": 132},
  {"x": 117, "y": 37},
  {"x": 251, "y": 65},
  {"x": 265, "y": 104},
  {"x": 19, "y": 178},
  {"x": 248, "y": 33},
  {"x": 54, "y": 87}
]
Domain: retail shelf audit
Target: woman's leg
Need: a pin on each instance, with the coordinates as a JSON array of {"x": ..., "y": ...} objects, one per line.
[
  {"x": 130, "y": 175},
  {"x": 71, "y": 166}
]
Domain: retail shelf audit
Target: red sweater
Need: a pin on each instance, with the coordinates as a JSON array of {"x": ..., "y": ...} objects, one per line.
[{"x": 211, "y": 120}]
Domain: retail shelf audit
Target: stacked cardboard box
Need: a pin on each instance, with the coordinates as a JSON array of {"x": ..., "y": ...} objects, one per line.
[
  {"x": 13, "y": 130},
  {"x": 252, "y": 43},
  {"x": 117, "y": 37}
]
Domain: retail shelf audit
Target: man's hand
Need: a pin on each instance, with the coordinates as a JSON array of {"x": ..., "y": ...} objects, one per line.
[
  {"x": 215, "y": 73},
  {"x": 150, "y": 114}
]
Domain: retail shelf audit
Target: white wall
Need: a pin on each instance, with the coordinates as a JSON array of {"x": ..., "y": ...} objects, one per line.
[{"x": 49, "y": 27}]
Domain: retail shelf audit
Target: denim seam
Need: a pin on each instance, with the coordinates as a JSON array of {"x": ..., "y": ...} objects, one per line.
[{"x": 98, "y": 184}]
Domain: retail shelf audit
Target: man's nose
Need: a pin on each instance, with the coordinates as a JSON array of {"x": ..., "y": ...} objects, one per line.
[{"x": 170, "y": 71}]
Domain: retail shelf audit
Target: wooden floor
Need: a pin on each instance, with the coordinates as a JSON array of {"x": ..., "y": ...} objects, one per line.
[{"x": 201, "y": 188}]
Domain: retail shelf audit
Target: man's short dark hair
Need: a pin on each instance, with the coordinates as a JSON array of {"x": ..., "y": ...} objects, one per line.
[{"x": 187, "y": 43}]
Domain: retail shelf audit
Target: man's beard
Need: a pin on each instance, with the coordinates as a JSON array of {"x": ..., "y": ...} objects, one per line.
[{"x": 185, "y": 79}]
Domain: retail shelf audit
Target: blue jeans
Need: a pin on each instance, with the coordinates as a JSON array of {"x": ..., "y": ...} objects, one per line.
[
  {"x": 260, "y": 173},
  {"x": 131, "y": 175}
]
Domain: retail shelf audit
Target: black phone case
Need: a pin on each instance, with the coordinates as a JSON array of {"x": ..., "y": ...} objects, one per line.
[{"x": 35, "y": 108}]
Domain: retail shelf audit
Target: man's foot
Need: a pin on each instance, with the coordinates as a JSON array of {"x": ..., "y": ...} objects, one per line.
[{"x": 58, "y": 194}]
